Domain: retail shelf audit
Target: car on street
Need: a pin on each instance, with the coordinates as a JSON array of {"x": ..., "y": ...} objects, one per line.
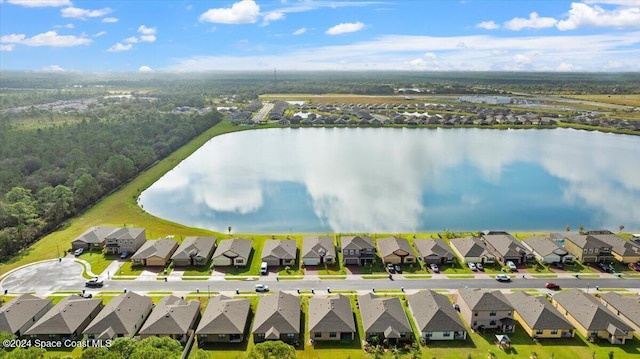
[
  {"x": 503, "y": 278},
  {"x": 94, "y": 283},
  {"x": 512, "y": 266},
  {"x": 262, "y": 288},
  {"x": 472, "y": 266},
  {"x": 635, "y": 266},
  {"x": 391, "y": 268},
  {"x": 78, "y": 251},
  {"x": 434, "y": 268},
  {"x": 86, "y": 295},
  {"x": 551, "y": 285},
  {"x": 124, "y": 255},
  {"x": 480, "y": 266}
]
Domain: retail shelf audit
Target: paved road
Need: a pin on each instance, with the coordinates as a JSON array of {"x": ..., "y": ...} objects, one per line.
[
  {"x": 264, "y": 111},
  {"x": 51, "y": 276}
]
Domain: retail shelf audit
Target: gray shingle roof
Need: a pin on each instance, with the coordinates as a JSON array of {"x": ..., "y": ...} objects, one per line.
[
  {"x": 95, "y": 235},
  {"x": 125, "y": 233},
  {"x": 586, "y": 309},
  {"x": 384, "y": 314},
  {"x": 19, "y": 311},
  {"x": 544, "y": 246},
  {"x": 433, "y": 247},
  {"x": 506, "y": 245},
  {"x": 537, "y": 312},
  {"x": 433, "y": 312},
  {"x": 120, "y": 315},
  {"x": 239, "y": 246},
  {"x": 629, "y": 306},
  {"x": 356, "y": 242},
  {"x": 66, "y": 316},
  {"x": 171, "y": 315},
  {"x": 157, "y": 248},
  {"x": 194, "y": 247},
  {"x": 282, "y": 249},
  {"x": 585, "y": 241},
  {"x": 277, "y": 313},
  {"x": 469, "y": 246},
  {"x": 224, "y": 315},
  {"x": 480, "y": 300},
  {"x": 312, "y": 247},
  {"x": 331, "y": 314},
  {"x": 619, "y": 245},
  {"x": 389, "y": 245}
]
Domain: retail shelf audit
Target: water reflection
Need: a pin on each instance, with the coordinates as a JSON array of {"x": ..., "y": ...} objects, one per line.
[{"x": 404, "y": 180}]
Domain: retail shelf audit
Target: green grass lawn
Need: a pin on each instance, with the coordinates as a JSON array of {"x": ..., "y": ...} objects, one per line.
[
  {"x": 128, "y": 269},
  {"x": 204, "y": 270},
  {"x": 98, "y": 260}
]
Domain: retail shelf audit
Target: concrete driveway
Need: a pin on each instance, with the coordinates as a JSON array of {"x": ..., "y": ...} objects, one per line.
[{"x": 43, "y": 277}]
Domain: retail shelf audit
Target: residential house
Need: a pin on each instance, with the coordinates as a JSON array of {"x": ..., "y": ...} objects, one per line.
[
  {"x": 434, "y": 251},
  {"x": 279, "y": 252},
  {"x": 471, "y": 250},
  {"x": 384, "y": 319},
  {"x": 67, "y": 319},
  {"x": 194, "y": 251},
  {"x": 172, "y": 317},
  {"x": 318, "y": 250},
  {"x": 277, "y": 318},
  {"x": 224, "y": 320},
  {"x": 590, "y": 317},
  {"x": 547, "y": 251},
  {"x": 435, "y": 316},
  {"x": 124, "y": 240},
  {"x": 331, "y": 318},
  {"x": 233, "y": 252},
  {"x": 395, "y": 250},
  {"x": 155, "y": 253},
  {"x": 587, "y": 248},
  {"x": 22, "y": 312},
  {"x": 623, "y": 251},
  {"x": 358, "y": 250},
  {"x": 94, "y": 237},
  {"x": 538, "y": 317},
  {"x": 626, "y": 307},
  {"x": 506, "y": 248},
  {"x": 121, "y": 317},
  {"x": 486, "y": 310}
]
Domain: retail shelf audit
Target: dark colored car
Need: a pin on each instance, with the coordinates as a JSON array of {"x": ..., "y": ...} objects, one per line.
[
  {"x": 124, "y": 255},
  {"x": 635, "y": 266},
  {"x": 94, "y": 283},
  {"x": 605, "y": 267},
  {"x": 552, "y": 286}
]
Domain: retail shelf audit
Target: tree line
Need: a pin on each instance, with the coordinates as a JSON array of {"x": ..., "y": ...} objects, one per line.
[{"x": 49, "y": 173}]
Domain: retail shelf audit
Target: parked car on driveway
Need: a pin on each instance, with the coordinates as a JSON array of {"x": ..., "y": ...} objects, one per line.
[
  {"x": 78, "y": 251},
  {"x": 552, "y": 286},
  {"x": 635, "y": 266},
  {"x": 512, "y": 266},
  {"x": 434, "y": 268},
  {"x": 398, "y": 268},
  {"x": 124, "y": 255},
  {"x": 472, "y": 266},
  {"x": 94, "y": 283},
  {"x": 391, "y": 268},
  {"x": 558, "y": 265},
  {"x": 606, "y": 267},
  {"x": 503, "y": 278},
  {"x": 262, "y": 288},
  {"x": 480, "y": 266}
]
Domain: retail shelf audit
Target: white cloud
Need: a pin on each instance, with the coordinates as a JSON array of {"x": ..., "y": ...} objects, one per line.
[
  {"x": 300, "y": 31},
  {"x": 345, "y": 27},
  {"x": 53, "y": 68},
  {"x": 565, "y": 67},
  {"x": 430, "y": 55},
  {"x": 101, "y": 33},
  {"x": 242, "y": 12},
  {"x": 120, "y": 47},
  {"x": 613, "y": 2},
  {"x": 40, "y": 3},
  {"x": 131, "y": 40},
  {"x": 583, "y": 15},
  {"x": 49, "y": 38},
  {"x": 110, "y": 20},
  {"x": 488, "y": 25},
  {"x": 148, "y": 34},
  {"x": 69, "y": 26},
  {"x": 7, "y": 47},
  {"x": 533, "y": 22},
  {"x": 272, "y": 16},
  {"x": 146, "y": 69},
  {"x": 83, "y": 14},
  {"x": 521, "y": 59}
]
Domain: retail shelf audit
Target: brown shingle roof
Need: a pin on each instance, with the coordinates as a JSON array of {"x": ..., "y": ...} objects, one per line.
[
  {"x": 157, "y": 248},
  {"x": 433, "y": 312},
  {"x": 240, "y": 246},
  {"x": 356, "y": 242},
  {"x": 277, "y": 313},
  {"x": 282, "y": 249},
  {"x": 66, "y": 316},
  {"x": 629, "y": 306},
  {"x": 537, "y": 312},
  {"x": 389, "y": 245},
  {"x": 382, "y": 315},
  {"x": 469, "y": 246},
  {"x": 506, "y": 245},
  {"x": 224, "y": 315},
  {"x": 480, "y": 300},
  {"x": 433, "y": 247},
  {"x": 120, "y": 315},
  {"x": 313, "y": 247},
  {"x": 331, "y": 314},
  {"x": 544, "y": 246},
  {"x": 19, "y": 311},
  {"x": 586, "y": 309},
  {"x": 194, "y": 247},
  {"x": 95, "y": 235},
  {"x": 171, "y": 315}
]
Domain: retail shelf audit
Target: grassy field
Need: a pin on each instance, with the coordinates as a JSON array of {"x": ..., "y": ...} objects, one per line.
[
  {"x": 342, "y": 98},
  {"x": 627, "y": 100}
]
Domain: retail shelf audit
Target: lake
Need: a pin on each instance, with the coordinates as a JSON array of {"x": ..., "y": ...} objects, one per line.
[{"x": 404, "y": 180}]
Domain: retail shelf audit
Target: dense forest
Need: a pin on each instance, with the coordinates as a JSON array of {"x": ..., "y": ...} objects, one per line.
[{"x": 51, "y": 172}]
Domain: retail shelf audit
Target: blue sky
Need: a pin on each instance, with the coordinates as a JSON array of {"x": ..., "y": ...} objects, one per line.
[{"x": 429, "y": 35}]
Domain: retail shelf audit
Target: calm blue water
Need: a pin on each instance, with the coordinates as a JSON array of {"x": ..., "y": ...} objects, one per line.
[{"x": 404, "y": 180}]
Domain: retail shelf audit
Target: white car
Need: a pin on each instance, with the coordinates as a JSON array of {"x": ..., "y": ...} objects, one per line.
[
  {"x": 503, "y": 278},
  {"x": 479, "y": 266},
  {"x": 473, "y": 267},
  {"x": 78, "y": 252},
  {"x": 262, "y": 288},
  {"x": 434, "y": 268},
  {"x": 512, "y": 266}
]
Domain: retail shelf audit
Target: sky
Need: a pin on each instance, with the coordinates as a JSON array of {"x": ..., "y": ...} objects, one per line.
[{"x": 310, "y": 35}]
